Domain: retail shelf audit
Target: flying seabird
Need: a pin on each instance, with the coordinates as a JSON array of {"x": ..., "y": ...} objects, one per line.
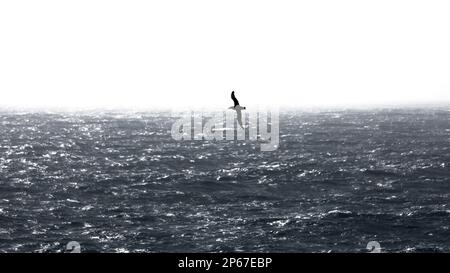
[{"x": 237, "y": 108}]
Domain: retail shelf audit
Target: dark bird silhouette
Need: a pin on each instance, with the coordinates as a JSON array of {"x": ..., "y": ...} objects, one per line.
[{"x": 237, "y": 108}]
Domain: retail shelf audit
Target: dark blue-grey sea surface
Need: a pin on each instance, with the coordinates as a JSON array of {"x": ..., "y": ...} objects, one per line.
[{"x": 117, "y": 182}]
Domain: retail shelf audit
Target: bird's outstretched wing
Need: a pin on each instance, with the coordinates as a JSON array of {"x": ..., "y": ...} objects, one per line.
[
  {"x": 239, "y": 118},
  {"x": 236, "y": 102}
]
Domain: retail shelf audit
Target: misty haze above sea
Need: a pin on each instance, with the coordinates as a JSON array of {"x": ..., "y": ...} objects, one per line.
[{"x": 118, "y": 182}]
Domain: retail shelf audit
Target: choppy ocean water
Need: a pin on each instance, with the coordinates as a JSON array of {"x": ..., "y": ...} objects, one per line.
[{"x": 118, "y": 182}]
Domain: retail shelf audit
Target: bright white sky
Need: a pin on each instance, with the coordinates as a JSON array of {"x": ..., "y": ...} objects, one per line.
[{"x": 171, "y": 53}]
